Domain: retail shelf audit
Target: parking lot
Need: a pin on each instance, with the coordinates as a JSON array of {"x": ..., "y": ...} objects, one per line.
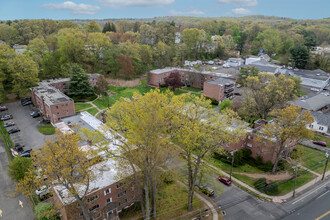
[{"x": 29, "y": 134}]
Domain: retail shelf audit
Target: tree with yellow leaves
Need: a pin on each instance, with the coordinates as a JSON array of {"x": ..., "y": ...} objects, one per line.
[
  {"x": 198, "y": 129},
  {"x": 266, "y": 92},
  {"x": 64, "y": 163},
  {"x": 289, "y": 124}
]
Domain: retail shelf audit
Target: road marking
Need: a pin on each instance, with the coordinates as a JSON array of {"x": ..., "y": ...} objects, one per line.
[
  {"x": 309, "y": 193},
  {"x": 322, "y": 195},
  {"x": 20, "y": 203},
  {"x": 0, "y": 213},
  {"x": 322, "y": 216}
]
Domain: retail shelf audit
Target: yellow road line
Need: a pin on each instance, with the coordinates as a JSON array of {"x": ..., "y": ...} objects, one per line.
[{"x": 322, "y": 216}]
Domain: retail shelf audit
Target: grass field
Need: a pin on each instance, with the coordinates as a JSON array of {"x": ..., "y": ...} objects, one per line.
[
  {"x": 312, "y": 159},
  {"x": 192, "y": 89},
  {"x": 81, "y": 106},
  {"x": 92, "y": 111},
  {"x": 46, "y": 129}
]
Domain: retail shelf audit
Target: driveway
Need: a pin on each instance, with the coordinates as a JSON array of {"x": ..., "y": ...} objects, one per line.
[
  {"x": 9, "y": 206},
  {"x": 310, "y": 143},
  {"x": 29, "y": 134}
]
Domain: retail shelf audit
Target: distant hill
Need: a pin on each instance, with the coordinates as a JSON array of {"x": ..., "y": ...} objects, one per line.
[{"x": 188, "y": 19}]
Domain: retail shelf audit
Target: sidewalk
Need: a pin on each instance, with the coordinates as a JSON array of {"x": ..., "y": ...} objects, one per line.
[{"x": 277, "y": 199}]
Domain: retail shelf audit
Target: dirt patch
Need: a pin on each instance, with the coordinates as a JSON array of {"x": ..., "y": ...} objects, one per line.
[
  {"x": 278, "y": 176},
  {"x": 124, "y": 83}
]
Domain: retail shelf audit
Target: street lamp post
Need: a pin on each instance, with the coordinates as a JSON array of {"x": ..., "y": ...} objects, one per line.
[
  {"x": 232, "y": 163},
  {"x": 326, "y": 164},
  {"x": 295, "y": 177}
]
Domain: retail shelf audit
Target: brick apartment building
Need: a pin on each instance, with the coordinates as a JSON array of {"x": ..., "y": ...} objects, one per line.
[
  {"x": 106, "y": 198},
  {"x": 52, "y": 103},
  {"x": 109, "y": 193},
  {"x": 217, "y": 86},
  {"x": 50, "y": 99},
  {"x": 267, "y": 149}
]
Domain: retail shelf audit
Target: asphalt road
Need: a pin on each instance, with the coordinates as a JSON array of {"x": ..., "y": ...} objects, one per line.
[
  {"x": 9, "y": 205},
  {"x": 29, "y": 134}
]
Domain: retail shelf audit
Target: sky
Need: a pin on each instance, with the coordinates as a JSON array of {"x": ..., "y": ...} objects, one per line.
[{"x": 103, "y": 9}]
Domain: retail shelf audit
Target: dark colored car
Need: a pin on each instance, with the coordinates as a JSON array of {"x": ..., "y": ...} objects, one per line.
[
  {"x": 14, "y": 130},
  {"x": 26, "y": 99},
  {"x": 322, "y": 143},
  {"x": 9, "y": 124},
  {"x": 19, "y": 147},
  {"x": 27, "y": 155},
  {"x": 25, "y": 151},
  {"x": 35, "y": 114},
  {"x": 3, "y": 108},
  {"x": 27, "y": 103},
  {"x": 6, "y": 117},
  {"x": 224, "y": 180}
]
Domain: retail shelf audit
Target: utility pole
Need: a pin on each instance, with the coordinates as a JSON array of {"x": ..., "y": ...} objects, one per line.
[
  {"x": 326, "y": 164},
  {"x": 295, "y": 177},
  {"x": 232, "y": 163}
]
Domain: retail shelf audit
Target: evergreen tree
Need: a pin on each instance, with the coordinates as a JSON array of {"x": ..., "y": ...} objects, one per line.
[
  {"x": 107, "y": 27},
  {"x": 79, "y": 82},
  {"x": 300, "y": 55}
]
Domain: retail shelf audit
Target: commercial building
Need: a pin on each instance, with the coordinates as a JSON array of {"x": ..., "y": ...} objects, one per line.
[
  {"x": 217, "y": 86},
  {"x": 108, "y": 194}
]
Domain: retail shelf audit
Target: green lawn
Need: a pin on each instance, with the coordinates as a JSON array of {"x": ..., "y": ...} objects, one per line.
[
  {"x": 318, "y": 137},
  {"x": 46, "y": 129},
  {"x": 192, "y": 89},
  {"x": 172, "y": 201},
  {"x": 92, "y": 111},
  {"x": 81, "y": 106},
  {"x": 127, "y": 92},
  {"x": 311, "y": 158}
]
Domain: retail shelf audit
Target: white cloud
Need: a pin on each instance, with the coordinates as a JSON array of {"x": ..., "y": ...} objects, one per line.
[
  {"x": 241, "y": 11},
  {"x": 240, "y": 2},
  {"x": 74, "y": 8},
  {"x": 191, "y": 11},
  {"x": 132, "y": 3}
]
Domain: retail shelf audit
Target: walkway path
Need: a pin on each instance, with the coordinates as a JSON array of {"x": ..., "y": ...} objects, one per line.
[
  {"x": 278, "y": 176},
  {"x": 93, "y": 106}
]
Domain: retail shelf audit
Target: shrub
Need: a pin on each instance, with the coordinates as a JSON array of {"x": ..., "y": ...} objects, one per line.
[
  {"x": 45, "y": 211},
  {"x": 258, "y": 160},
  {"x": 167, "y": 177},
  {"x": 260, "y": 184},
  {"x": 267, "y": 166},
  {"x": 271, "y": 189}
]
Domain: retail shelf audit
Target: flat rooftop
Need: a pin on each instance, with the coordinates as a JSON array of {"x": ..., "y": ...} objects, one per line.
[
  {"x": 169, "y": 69},
  {"x": 61, "y": 80},
  {"x": 51, "y": 95},
  {"x": 222, "y": 81}
]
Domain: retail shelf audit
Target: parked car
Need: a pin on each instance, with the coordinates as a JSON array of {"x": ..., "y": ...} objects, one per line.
[
  {"x": 14, "y": 130},
  {"x": 19, "y": 147},
  {"x": 321, "y": 143},
  {"x": 9, "y": 124},
  {"x": 6, "y": 117},
  {"x": 25, "y": 99},
  {"x": 3, "y": 108},
  {"x": 27, "y": 155},
  {"x": 29, "y": 102},
  {"x": 224, "y": 180},
  {"x": 35, "y": 114},
  {"x": 207, "y": 190},
  {"x": 25, "y": 151}
]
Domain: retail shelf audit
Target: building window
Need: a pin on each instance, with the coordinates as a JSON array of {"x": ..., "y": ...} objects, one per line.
[
  {"x": 250, "y": 137},
  {"x": 132, "y": 188},
  {"x": 122, "y": 202},
  {"x": 119, "y": 185},
  {"x": 56, "y": 107},
  {"x": 321, "y": 128},
  {"x": 110, "y": 213},
  {"x": 107, "y": 191},
  {"x": 91, "y": 199},
  {"x": 311, "y": 126},
  {"x": 66, "y": 104},
  {"x": 94, "y": 207},
  {"x": 109, "y": 200},
  {"x": 249, "y": 145},
  {"x": 122, "y": 194}
]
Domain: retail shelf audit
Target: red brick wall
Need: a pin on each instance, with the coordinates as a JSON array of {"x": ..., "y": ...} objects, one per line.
[
  {"x": 61, "y": 110},
  {"x": 212, "y": 91}
]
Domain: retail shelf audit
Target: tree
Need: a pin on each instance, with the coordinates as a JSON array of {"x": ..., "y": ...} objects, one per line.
[
  {"x": 64, "y": 162},
  {"x": 289, "y": 124},
  {"x": 198, "y": 129},
  {"x": 24, "y": 72},
  {"x": 267, "y": 92},
  {"x": 225, "y": 104},
  {"x": 245, "y": 72},
  {"x": 79, "y": 82},
  {"x": 45, "y": 211},
  {"x": 93, "y": 27},
  {"x": 300, "y": 55},
  {"x": 147, "y": 34},
  {"x": 127, "y": 69},
  {"x": 191, "y": 38},
  {"x": 143, "y": 123},
  {"x": 18, "y": 167},
  {"x": 109, "y": 27},
  {"x": 173, "y": 80},
  {"x": 8, "y": 34}
]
